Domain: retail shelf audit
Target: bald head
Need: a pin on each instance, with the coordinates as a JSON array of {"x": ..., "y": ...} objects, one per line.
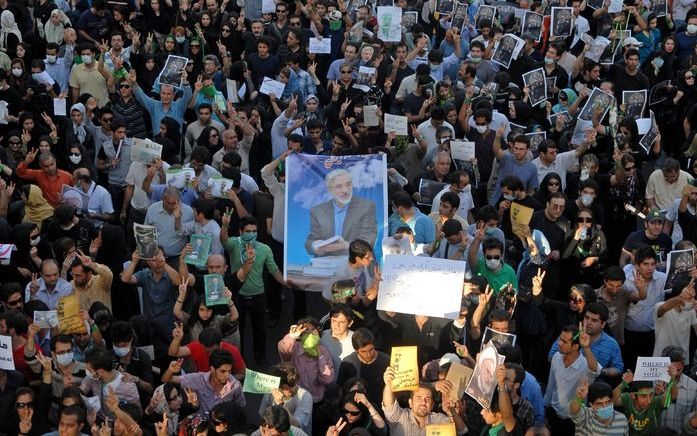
[{"x": 216, "y": 264}]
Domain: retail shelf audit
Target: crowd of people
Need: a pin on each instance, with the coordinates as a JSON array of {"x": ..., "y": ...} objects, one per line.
[{"x": 600, "y": 275}]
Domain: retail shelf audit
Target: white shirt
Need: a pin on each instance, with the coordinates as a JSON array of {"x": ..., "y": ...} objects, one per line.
[
  {"x": 428, "y": 131},
  {"x": 672, "y": 216},
  {"x": 339, "y": 349},
  {"x": 561, "y": 166},
  {"x": 136, "y": 174},
  {"x": 673, "y": 328},
  {"x": 640, "y": 315},
  {"x": 466, "y": 201},
  {"x": 563, "y": 381}
]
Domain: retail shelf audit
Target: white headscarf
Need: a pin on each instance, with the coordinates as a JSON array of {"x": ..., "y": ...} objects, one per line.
[
  {"x": 8, "y": 25},
  {"x": 55, "y": 32},
  {"x": 79, "y": 129}
]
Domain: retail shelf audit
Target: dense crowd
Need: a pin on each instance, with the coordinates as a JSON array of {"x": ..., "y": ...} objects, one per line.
[{"x": 608, "y": 174}]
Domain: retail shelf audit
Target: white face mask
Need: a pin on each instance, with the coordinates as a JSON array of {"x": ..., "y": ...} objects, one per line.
[
  {"x": 509, "y": 197},
  {"x": 584, "y": 174},
  {"x": 34, "y": 242},
  {"x": 64, "y": 359},
  {"x": 493, "y": 263},
  {"x": 16, "y": 72},
  {"x": 75, "y": 158},
  {"x": 481, "y": 129},
  {"x": 51, "y": 59},
  {"x": 692, "y": 29},
  {"x": 121, "y": 351},
  {"x": 549, "y": 61},
  {"x": 475, "y": 59},
  {"x": 86, "y": 59},
  {"x": 180, "y": 39},
  {"x": 587, "y": 199}
]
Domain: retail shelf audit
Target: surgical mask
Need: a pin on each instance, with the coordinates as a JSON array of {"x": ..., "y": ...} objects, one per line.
[
  {"x": 509, "y": 197},
  {"x": 75, "y": 158},
  {"x": 93, "y": 375},
  {"x": 482, "y": 129},
  {"x": 64, "y": 359},
  {"x": 34, "y": 242},
  {"x": 692, "y": 29},
  {"x": 16, "y": 72},
  {"x": 584, "y": 174},
  {"x": 434, "y": 67},
  {"x": 475, "y": 59},
  {"x": 121, "y": 351},
  {"x": 51, "y": 59},
  {"x": 549, "y": 61},
  {"x": 606, "y": 412},
  {"x": 86, "y": 59},
  {"x": 493, "y": 263},
  {"x": 473, "y": 299},
  {"x": 310, "y": 342},
  {"x": 249, "y": 237},
  {"x": 587, "y": 199},
  {"x": 35, "y": 76},
  {"x": 180, "y": 39}
]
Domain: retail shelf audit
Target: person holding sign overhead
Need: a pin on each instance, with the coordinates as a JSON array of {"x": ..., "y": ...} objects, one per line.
[
  {"x": 412, "y": 421},
  {"x": 296, "y": 400},
  {"x": 491, "y": 265},
  {"x": 499, "y": 416}
]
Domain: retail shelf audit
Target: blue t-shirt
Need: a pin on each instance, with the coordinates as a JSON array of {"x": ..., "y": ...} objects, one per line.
[{"x": 508, "y": 166}]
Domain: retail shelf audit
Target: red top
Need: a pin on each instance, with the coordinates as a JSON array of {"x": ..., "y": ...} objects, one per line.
[
  {"x": 200, "y": 357},
  {"x": 50, "y": 186}
]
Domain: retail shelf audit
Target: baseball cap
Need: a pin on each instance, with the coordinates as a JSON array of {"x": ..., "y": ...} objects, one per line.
[
  {"x": 448, "y": 358},
  {"x": 631, "y": 41},
  {"x": 654, "y": 214}
]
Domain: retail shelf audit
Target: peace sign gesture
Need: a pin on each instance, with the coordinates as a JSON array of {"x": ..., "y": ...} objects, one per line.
[
  {"x": 183, "y": 288},
  {"x": 198, "y": 86},
  {"x": 34, "y": 284},
  {"x": 347, "y": 126},
  {"x": 103, "y": 47},
  {"x": 486, "y": 296},
  {"x": 161, "y": 427},
  {"x": 335, "y": 429},
  {"x": 191, "y": 397},
  {"x": 31, "y": 155},
  {"x": 537, "y": 282}
]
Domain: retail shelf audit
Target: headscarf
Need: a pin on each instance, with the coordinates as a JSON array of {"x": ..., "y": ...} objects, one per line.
[
  {"x": 55, "y": 32},
  {"x": 8, "y": 25},
  {"x": 36, "y": 209},
  {"x": 570, "y": 99},
  {"x": 79, "y": 129},
  {"x": 163, "y": 407}
]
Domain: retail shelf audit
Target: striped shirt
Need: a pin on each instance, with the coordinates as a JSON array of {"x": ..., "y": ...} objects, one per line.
[
  {"x": 684, "y": 405},
  {"x": 132, "y": 114},
  {"x": 588, "y": 425}
]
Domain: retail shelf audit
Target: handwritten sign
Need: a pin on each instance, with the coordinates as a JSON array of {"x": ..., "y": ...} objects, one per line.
[
  {"x": 320, "y": 46},
  {"x": 370, "y": 116},
  {"x": 258, "y": 383},
  {"x": 459, "y": 375},
  {"x": 421, "y": 286},
  {"x": 520, "y": 217},
  {"x": 652, "y": 368},
  {"x": 445, "y": 429},
  {"x": 6, "y": 359},
  {"x": 270, "y": 86},
  {"x": 69, "y": 318},
  {"x": 462, "y": 150},
  {"x": 406, "y": 369},
  {"x": 396, "y": 123}
]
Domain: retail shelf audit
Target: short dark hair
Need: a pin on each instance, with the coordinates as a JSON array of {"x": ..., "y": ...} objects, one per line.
[
  {"x": 598, "y": 390},
  {"x": 201, "y": 154},
  {"x": 121, "y": 331},
  {"x": 343, "y": 309},
  {"x": 513, "y": 183},
  {"x": 248, "y": 221},
  {"x": 403, "y": 199},
  {"x": 62, "y": 338},
  {"x": 614, "y": 272},
  {"x": 276, "y": 417},
  {"x": 219, "y": 358},
  {"x": 210, "y": 337},
  {"x": 631, "y": 52},
  {"x": 205, "y": 106},
  {"x": 362, "y": 337},
  {"x": 100, "y": 358},
  {"x": 358, "y": 248},
  {"x": 491, "y": 244},
  {"x": 205, "y": 207},
  {"x": 598, "y": 309},
  {"x": 573, "y": 329},
  {"x": 487, "y": 213},
  {"x": 589, "y": 183},
  {"x": 643, "y": 252},
  {"x": 74, "y": 410},
  {"x": 451, "y": 198}
]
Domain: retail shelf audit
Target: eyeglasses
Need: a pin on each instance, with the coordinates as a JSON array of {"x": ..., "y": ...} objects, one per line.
[
  {"x": 195, "y": 46},
  {"x": 24, "y": 405},
  {"x": 583, "y": 219},
  {"x": 558, "y": 206},
  {"x": 107, "y": 119},
  {"x": 281, "y": 11},
  {"x": 497, "y": 257},
  {"x": 226, "y": 30},
  {"x": 553, "y": 184},
  {"x": 575, "y": 300},
  {"x": 628, "y": 168},
  {"x": 352, "y": 412},
  {"x": 75, "y": 155},
  {"x": 346, "y": 71},
  {"x": 16, "y": 302},
  {"x": 481, "y": 125}
]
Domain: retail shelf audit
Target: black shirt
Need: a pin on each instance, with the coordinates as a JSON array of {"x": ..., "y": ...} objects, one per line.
[{"x": 661, "y": 245}]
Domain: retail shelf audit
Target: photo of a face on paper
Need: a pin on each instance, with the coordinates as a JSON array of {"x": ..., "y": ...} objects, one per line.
[{"x": 330, "y": 202}]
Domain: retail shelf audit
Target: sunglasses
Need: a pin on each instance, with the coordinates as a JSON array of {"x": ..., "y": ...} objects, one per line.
[
  {"x": 352, "y": 412},
  {"x": 15, "y": 142},
  {"x": 227, "y": 30},
  {"x": 497, "y": 257},
  {"x": 294, "y": 23},
  {"x": 107, "y": 120},
  {"x": 24, "y": 405},
  {"x": 689, "y": 77},
  {"x": 346, "y": 71},
  {"x": 553, "y": 184},
  {"x": 628, "y": 168},
  {"x": 575, "y": 300},
  {"x": 281, "y": 11},
  {"x": 583, "y": 219},
  {"x": 14, "y": 302}
]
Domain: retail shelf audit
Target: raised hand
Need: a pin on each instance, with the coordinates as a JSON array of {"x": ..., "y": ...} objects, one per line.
[
  {"x": 297, "y": 330},
  {"x": 161, "y": 427},
  {"x": 335, "y": 429},
  {"x": 178, "y": 331},
  {"x": 175, "y": 366},
  {"x": 191, "y": 397},
  {"x": 34, "y": 284}
]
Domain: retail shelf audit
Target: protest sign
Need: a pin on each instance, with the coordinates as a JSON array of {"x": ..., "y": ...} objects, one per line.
[
  {"x": 532, "y": 24},
  {"x": 219, "y": 186},
  {"x": 409, "y": 19},
  {"x": 537, "y": 85},
  {"x": 75, "y": 197},
  {"x": 634, "y": 102},
  {"x": 397, "y": 124},
  {"x": 6, "y": 253},
  {"x": 497, "y": 338},
  {"x": 320, "y": 45},
  {"x": 428, "y": 189},
  {"x": 484, "y": 14},
  {"x": 69, "y": 318},
  {"x": 270, "y": 86},
  {"x": 679, "y": 262},
  {"x": 214, "y": 290},
  {"x": 462, "y": 150},
  {"x": 146, "y": 240},
  {"x": 507, "y": 49},
  {"x": 597, "y": 100},
  {"x": 652, "y": 368},
  {"x": 445, "y": 7},
  {"x": 59, "y": 107},
  {"x": 483, "y": 382},
  {"x": 562, "y": 22},
  {"x": 180, "y": 178},
  {"x": 259, "y": 383},
  {"x": 459, "y": 17},
  {"x": 520, "y": 217},
  {"x": 200, "y": 248},
  {"x": 173, "y": 71},
  {"x": 406, "y": 369},
  {"x": 390, "y": 23},
  {"x": 404, "y": 279},
  {"x": 395, "y": 245},
  {"x": 46, "y": 319},
  {"x": 7, "y": 361},
  {"x": 445, "y": 429},
  {"x": 365, "y": 78},
  {"x": 458, "y": 375},
  {"x": 144, "y": 150},
  {"x": 314, "y": 184},
  {"x": 370, "y": 116}
]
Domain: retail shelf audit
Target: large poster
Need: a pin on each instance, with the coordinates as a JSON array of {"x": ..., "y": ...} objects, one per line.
[{"x": 330, "y": 202}]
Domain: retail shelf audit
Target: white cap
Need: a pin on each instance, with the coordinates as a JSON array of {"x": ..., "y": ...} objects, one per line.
[
  {"x": 631, "y": 41},
  {"x": 448, "y": 358}
]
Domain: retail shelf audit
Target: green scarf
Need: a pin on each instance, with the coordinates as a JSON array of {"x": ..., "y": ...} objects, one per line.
[{"x": 310, "y": 342}]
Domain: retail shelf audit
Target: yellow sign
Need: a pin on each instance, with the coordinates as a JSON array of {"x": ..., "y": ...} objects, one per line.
[
  {"x": 520, "y": 218},
  {"x": 447, "y": 429},
  {"x": 406, "y": 369},
  {"x": 69, "y": 318},
  {"x": 459, "y": 375}
]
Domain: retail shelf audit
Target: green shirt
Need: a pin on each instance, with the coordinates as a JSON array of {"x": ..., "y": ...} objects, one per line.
[
  {"x": 642, "y": 423},
  {"x": 498, "y": 279},
  {"x": 254, "y": 285}
]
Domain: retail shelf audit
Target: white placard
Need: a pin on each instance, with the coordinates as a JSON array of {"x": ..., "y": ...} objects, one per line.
[
  {"x": 652, "y": 368},
  {"x": 270, "y": 86},
  {"x": 59, "y": 108},
  {"x": 231, "y": 88},
  {"x": 6, "y": 359},
  {"x": 370, "y": 116},
  {"x": 462, "y": 150},
  {"x": 390, "y": 22},
  {"x": 268, "y": 7},
  {"x": 46, "y": 318},
  {"x": 643, "y": 125},
  {"x": 421, "y": 286},
  {"x": 397, "y": 124},
  {"x": 321, "y": 45}
]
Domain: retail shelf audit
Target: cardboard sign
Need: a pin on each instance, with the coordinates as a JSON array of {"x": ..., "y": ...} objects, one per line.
[
  {"x": 459, "y": 375},
  {"x": 520, "y": 217},
  {"x": 69, "y": 318},
  {"x": 46, "y": 319},
  {"x": 406, "y": 369},
  {"x": 258, "y": 383},
  {"x": 200, "y": 248},
  {"x": 652, "y": 368},
  {"x": 446, "y": 429}
]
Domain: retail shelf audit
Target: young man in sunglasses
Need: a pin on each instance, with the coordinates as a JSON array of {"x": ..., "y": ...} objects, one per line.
[{"x": 491, "y": 265}]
